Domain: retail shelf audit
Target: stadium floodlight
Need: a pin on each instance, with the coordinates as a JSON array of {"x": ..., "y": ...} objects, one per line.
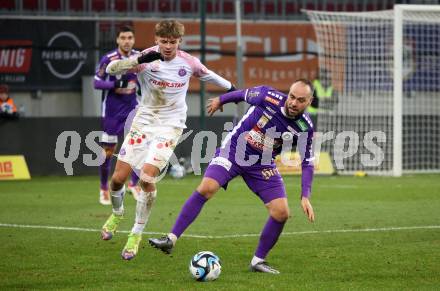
[{"x": 384, "y": 67}]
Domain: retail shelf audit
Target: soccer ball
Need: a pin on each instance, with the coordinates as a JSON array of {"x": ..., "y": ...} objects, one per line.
[
  {"x": 205, "y": 266},
  {"x": 177, "y": 171}
]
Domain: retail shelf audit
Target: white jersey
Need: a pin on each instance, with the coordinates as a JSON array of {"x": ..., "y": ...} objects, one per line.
[{"x": 164, "y": 85}]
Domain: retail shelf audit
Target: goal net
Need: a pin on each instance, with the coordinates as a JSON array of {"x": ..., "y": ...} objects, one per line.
[{"x": 384, "y": 68}]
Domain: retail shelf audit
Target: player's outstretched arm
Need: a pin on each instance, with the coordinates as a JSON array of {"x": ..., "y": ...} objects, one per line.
[
  {"x": 119, "y": 67},
  {"x": 308, "y": 209},
  {"x": 214, "y": 104}
]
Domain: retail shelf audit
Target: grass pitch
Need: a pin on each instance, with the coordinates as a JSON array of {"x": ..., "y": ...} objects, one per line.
[{"x": 370, "y": 233}]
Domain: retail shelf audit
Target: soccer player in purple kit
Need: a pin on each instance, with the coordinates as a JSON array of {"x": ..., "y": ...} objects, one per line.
[
  {"x": 249, "y": 151},
  {"x": 118, "y": 100}
]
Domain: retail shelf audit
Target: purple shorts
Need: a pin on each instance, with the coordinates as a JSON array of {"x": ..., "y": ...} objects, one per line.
[
  {"x": 265, "y": 181},
  {"x": 113, "y": 126}
]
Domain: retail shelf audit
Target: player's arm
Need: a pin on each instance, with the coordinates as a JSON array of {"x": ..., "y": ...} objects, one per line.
[
  {"x": 216, "y": 103},
  {"x": 120, "y": 67},
  {"x": 107, "y": 85},
  {"x": 253, "y": 96},
  {"x": 307, "y": 167},
  {"x": 100, "y": 80},
  {"x": 204, "y": 74}
]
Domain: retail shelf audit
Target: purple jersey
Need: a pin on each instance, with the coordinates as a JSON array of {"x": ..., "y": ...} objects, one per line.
[
  {"x": 117, "y": 103},
  {"x": 259, "y": 136}
]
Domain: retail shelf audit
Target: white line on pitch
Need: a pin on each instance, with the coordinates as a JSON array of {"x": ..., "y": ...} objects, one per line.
[{"x": 231, "y": 235}]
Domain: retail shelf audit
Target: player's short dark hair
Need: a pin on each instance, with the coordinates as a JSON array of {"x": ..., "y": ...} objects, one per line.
[
  {"x": 307, "y": 83},
  {"x": 124, "y": 28}
]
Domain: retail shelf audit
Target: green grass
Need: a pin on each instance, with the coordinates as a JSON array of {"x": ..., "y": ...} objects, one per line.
[{"x": 405, "y": 259}]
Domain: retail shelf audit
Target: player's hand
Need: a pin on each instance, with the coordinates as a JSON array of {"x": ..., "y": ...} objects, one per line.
[
  {"x": 121, "y": 83},
  {"x": 308, "y": 209},
  {"x": 214, "y": 104},
  {"x": 150, "y": 57}
]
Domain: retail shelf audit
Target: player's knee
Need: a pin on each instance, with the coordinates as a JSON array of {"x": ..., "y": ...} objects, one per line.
[
  {"x": 118, "y": 180},
  {"x": 206, "y": 192},
  {"x": 116, "y": 184},
  {"x": 281, "y": 214},
  {"x": 149, "y": 174},
  {"x": 147, "y": 186},
  {"x": 207, "y": 189},
  {"x": 108, "y": 153}
]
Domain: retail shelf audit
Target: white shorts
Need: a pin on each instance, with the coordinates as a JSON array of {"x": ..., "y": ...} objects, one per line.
[
  {"x": 105, "y": 137},
  {"x": 149, "y": 144}
]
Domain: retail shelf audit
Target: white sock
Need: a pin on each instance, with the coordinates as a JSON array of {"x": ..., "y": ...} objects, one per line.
[
  {"x": 172, "y": 237},
  {"x": 143, "y": 209},
  {"x": 117, "y": 198},
  {"x": 256, "y": 260}
]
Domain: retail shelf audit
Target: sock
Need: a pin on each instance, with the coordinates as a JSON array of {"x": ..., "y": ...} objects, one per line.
[
  {"x": 189, "y": 212},
  {"x": 172, "y": 237},
  {"x": 269, "y": 236},
  {"x": 143, "y": 210},
  {"x": 117, "y": 198},
  {"x": 256, "y": 260},
  {"x": 104, "y": 171},
  {"x": 134, "y": 179}
]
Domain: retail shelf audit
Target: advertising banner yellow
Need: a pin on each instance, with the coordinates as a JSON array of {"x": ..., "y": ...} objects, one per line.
[{"x": 13, "y": 168}]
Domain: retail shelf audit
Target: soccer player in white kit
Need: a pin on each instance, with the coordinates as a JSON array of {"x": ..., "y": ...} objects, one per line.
[{"x": 163, "y": 73}]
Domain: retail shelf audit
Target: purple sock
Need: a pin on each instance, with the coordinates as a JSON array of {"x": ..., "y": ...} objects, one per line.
[
  {"x": 189, "y": 212},
  {"x": 134, "y": 178},
  {"x": 104, "y": 171},
  {"x": 269, "y": 237}
]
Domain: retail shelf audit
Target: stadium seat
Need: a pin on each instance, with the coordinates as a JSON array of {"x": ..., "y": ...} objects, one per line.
[
  {"x": 268, "y": 8},
  {"x": 228, "y": 7},
  {"x": 7, "y": 4},
  {"x": 251, "y": 7},
  {"x": 53, "y": 5},
  {"x": 330, "y": 6},
  {"x": 76, "y": 5},
  {"x": 144, "y": 6},
  {"x": 212, "y": 7},
  {"x": 187, "y": 6},
  {"x": 98, "y": 5},
  {"x": 310, "y": 6},
  {"x": 165, "y": 6},
  {"x": 121, "y": 5},
  {"x": 371, "y": 7},
  {"x": 30, "y": 4},
  {"x": 292, "y": 8}
]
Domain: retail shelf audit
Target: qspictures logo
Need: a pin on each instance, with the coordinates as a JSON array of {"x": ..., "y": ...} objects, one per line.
[
  {"x": 15, "y": 56},
  {"x": 64, "y": 55}
]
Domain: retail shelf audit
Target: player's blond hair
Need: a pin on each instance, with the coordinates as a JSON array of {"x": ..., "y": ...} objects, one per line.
[{"x": 169, "y": 28}]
